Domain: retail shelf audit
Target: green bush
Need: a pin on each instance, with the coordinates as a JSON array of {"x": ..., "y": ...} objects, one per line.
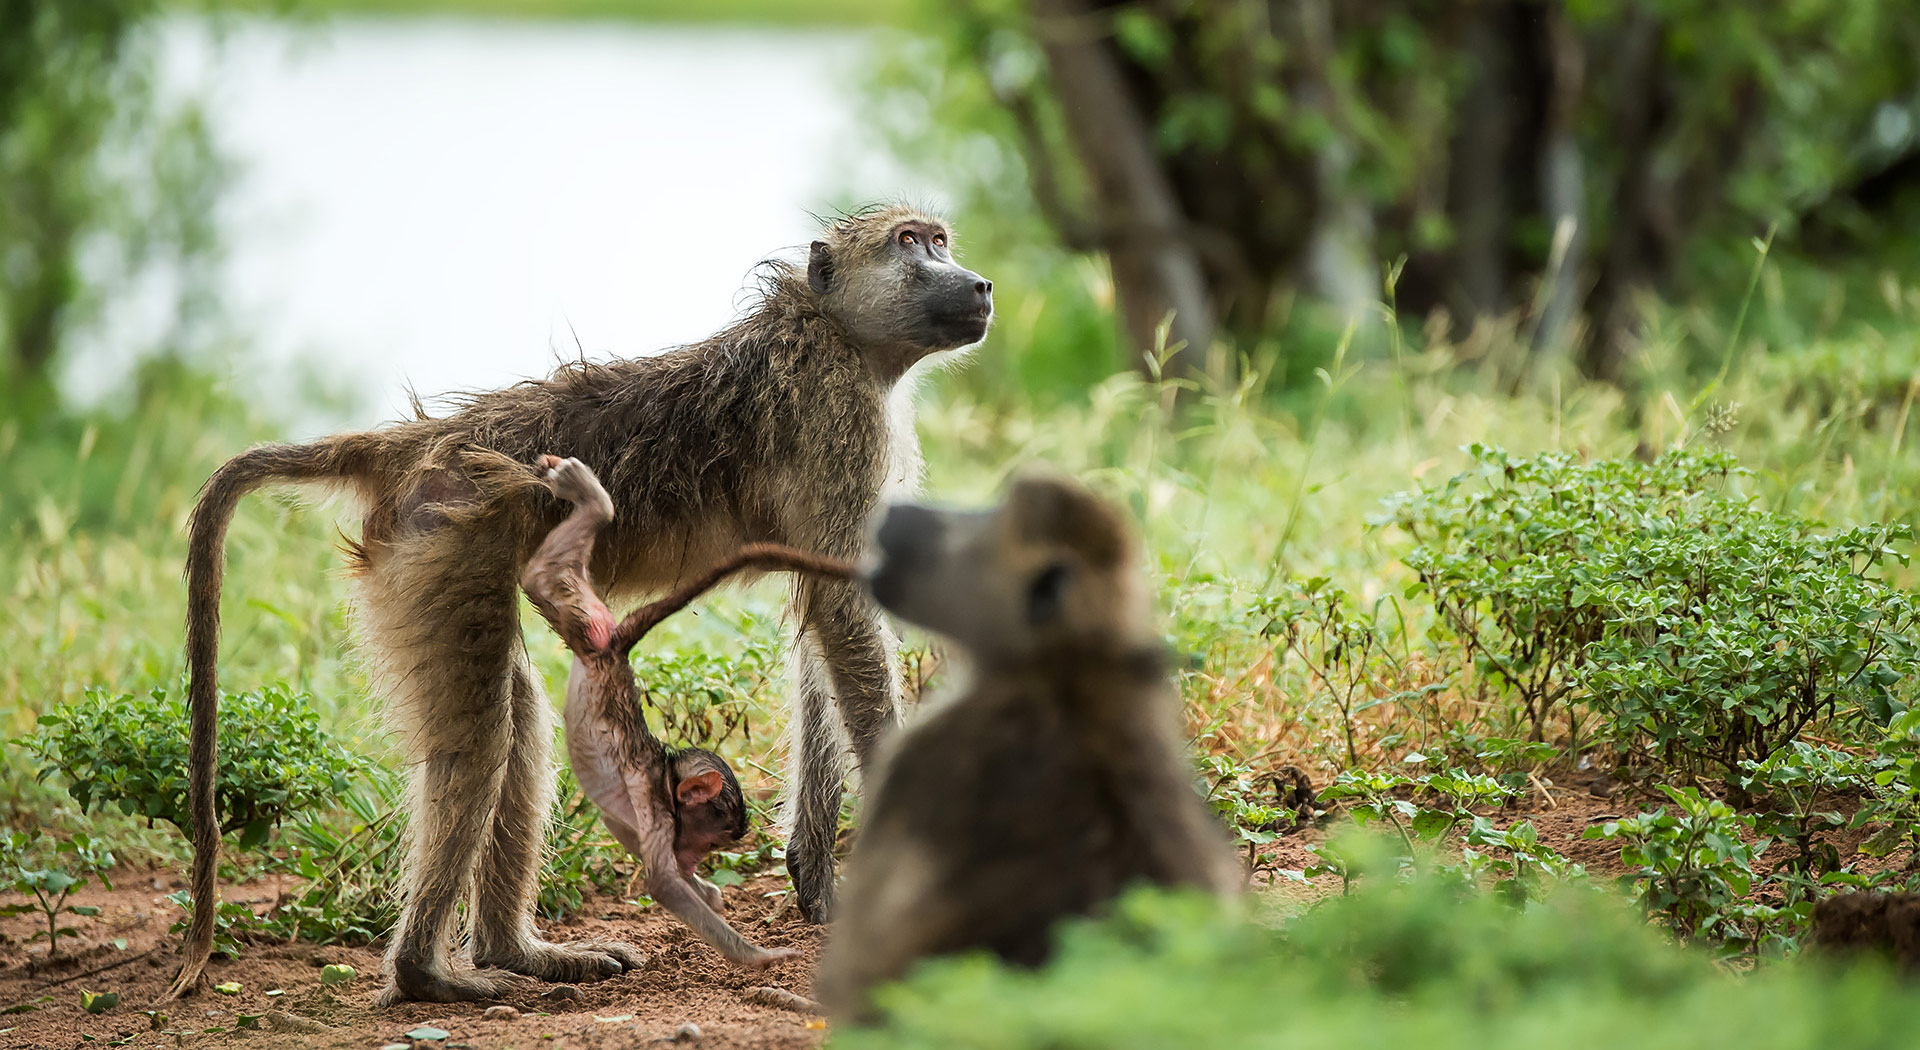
[
  {"x": 1700, "y": 626},
  {"x": 1402, "y": 965},
  {"x": 116, "y": 749}
]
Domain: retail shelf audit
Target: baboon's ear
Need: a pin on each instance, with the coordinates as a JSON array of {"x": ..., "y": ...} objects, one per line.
[
  {"x": 698, "y": 788},
  {"x": 819, "y": 268},
  {"x": 1060, "y": 511}
]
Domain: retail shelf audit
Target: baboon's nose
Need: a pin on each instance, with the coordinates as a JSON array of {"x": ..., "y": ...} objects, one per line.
[{"x": 983, "y": 289}]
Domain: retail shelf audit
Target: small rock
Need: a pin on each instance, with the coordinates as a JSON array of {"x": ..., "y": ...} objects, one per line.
[
  {"x": 501, "y": 1013},
  {"x": 687, "y": 1033},
  {"x": 562, "y": 992}
]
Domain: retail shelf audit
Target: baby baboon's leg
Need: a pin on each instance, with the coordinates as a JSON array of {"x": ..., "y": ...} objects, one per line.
[
  {"x": 442, "y": 630},
  {"x": 507, "y": 881},
  {"x": 847, "y": 680}
]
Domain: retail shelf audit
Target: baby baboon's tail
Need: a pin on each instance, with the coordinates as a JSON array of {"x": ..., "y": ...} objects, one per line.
[{"x": 329, "y": 459}]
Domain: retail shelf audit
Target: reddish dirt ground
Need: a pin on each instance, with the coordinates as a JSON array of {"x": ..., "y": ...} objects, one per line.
[{"x": 683, "y": 981}]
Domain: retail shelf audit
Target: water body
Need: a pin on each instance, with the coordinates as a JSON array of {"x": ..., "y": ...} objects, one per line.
[{"x": 444, "y": 204}]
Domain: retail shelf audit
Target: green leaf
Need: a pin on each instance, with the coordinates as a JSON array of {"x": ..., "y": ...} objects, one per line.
[{"x": 99, "y": 1002}]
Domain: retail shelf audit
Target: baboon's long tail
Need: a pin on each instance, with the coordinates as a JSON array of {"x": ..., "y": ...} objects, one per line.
[{"x": 332, "y": 458}]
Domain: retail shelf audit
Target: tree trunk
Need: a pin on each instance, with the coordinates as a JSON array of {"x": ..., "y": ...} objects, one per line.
[{"x": 1156, "y": 269}]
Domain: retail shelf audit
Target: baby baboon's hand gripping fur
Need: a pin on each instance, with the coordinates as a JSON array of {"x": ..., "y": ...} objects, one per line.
[{"x": 668, "y": 808}]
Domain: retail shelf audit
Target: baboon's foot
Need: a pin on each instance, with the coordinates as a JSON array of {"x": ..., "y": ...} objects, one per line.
[
  {"x": 415, "y": 982},
  {"x": 812, "y": 885},
  {"x": 573, "y": 961},
  {"x": 572, "y": 481}
]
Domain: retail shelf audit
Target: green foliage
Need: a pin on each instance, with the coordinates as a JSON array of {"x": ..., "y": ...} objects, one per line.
[
  {"x": 1794, "y": 783},
  {"x": 707, "y": 696},
  {"x": 351, "y": 859},
  {"x": 49, "y": 875},
  {"x": 1733, "y": 630},
  {"x": 99, "y": 181},
  {"x": 1694, "y": 866},
  {"x": 1702, "y": 627},
  {"x": 115, "y": 749},
  {"x": 1402, "y": 965}
]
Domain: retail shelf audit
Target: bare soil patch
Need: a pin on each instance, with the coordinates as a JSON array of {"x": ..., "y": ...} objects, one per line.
[{"x": 684, "y": 981}]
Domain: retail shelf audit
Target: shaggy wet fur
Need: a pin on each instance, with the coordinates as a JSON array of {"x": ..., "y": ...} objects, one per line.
[{"x": 776, "y": 429}]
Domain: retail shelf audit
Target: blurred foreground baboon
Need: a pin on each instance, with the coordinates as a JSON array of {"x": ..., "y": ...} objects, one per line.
[
  {"x": 787, "y": 427},
  {"x": 670, "y": 808},
  {"x": 1059, "y": 776}
]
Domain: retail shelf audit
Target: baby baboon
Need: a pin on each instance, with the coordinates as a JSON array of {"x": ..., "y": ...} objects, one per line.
[
  {"x": 669, "y": 808},
  {"x": 785, "y": 427},
  {"x": 1059, "y": 777}
]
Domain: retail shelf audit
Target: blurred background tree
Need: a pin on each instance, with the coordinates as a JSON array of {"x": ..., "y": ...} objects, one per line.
[
  {"x": 99, "y": 183},
  {"x": 1547, "y": 162}
]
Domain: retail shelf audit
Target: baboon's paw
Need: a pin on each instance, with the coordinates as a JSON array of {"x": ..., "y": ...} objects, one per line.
[
  {"x": 575, "y": 961},
  {"x": 415, "y": 984}
]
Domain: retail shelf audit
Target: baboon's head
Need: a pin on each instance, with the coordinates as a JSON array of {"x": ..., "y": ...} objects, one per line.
[
  {"x": 708, "y": 811},
  {"x": 888, "y": 277},
  {"x": 1051, "y": 566}
]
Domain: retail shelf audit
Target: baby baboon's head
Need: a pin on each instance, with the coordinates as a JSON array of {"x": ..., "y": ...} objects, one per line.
[
  {"x": 1051, "y": 566},
  {"x": 887, "y": 275},
  {"x": 708, "y": 810}
]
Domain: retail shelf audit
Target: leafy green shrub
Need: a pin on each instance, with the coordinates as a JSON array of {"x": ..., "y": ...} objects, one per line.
[
  {"x": 1694, "y": 868},
  {"x": 116, "y": 749},
  {"x": 703, "y": 697},
  {"x": 1419, "y": 964},
  {"x": 52, "y": 880},
  {"x": 1795, "y": 781},
  {"x": 1701, "y": 626},
  {"x": 351, "y": 860},
  {"x": 1734, "y": 630},
  {"x": 1507, "y": 551}
]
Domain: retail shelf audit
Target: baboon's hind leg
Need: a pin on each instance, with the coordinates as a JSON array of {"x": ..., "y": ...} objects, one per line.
[
  {"x": 442, "y": 631},
  {"x": 507, "y": 881}
]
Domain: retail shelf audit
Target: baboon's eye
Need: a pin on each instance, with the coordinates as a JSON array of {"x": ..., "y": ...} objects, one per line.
[
  {"x": 939, "y": 240},
  {"x": 1047, "y": 593},
  {"x": 908, "y": 237}
]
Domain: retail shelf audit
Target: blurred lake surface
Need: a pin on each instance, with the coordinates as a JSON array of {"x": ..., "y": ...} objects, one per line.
[{"x": 444, "y": 204}]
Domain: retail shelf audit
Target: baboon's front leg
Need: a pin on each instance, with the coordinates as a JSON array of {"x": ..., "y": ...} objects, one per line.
[{"x": 848, "y": 693}]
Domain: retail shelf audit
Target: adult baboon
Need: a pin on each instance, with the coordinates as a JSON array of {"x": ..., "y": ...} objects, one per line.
[
  {"x": 784, "y": 427},
  {"x": 670, "y": 808},
  {"x": 1057, "y": 779}
]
